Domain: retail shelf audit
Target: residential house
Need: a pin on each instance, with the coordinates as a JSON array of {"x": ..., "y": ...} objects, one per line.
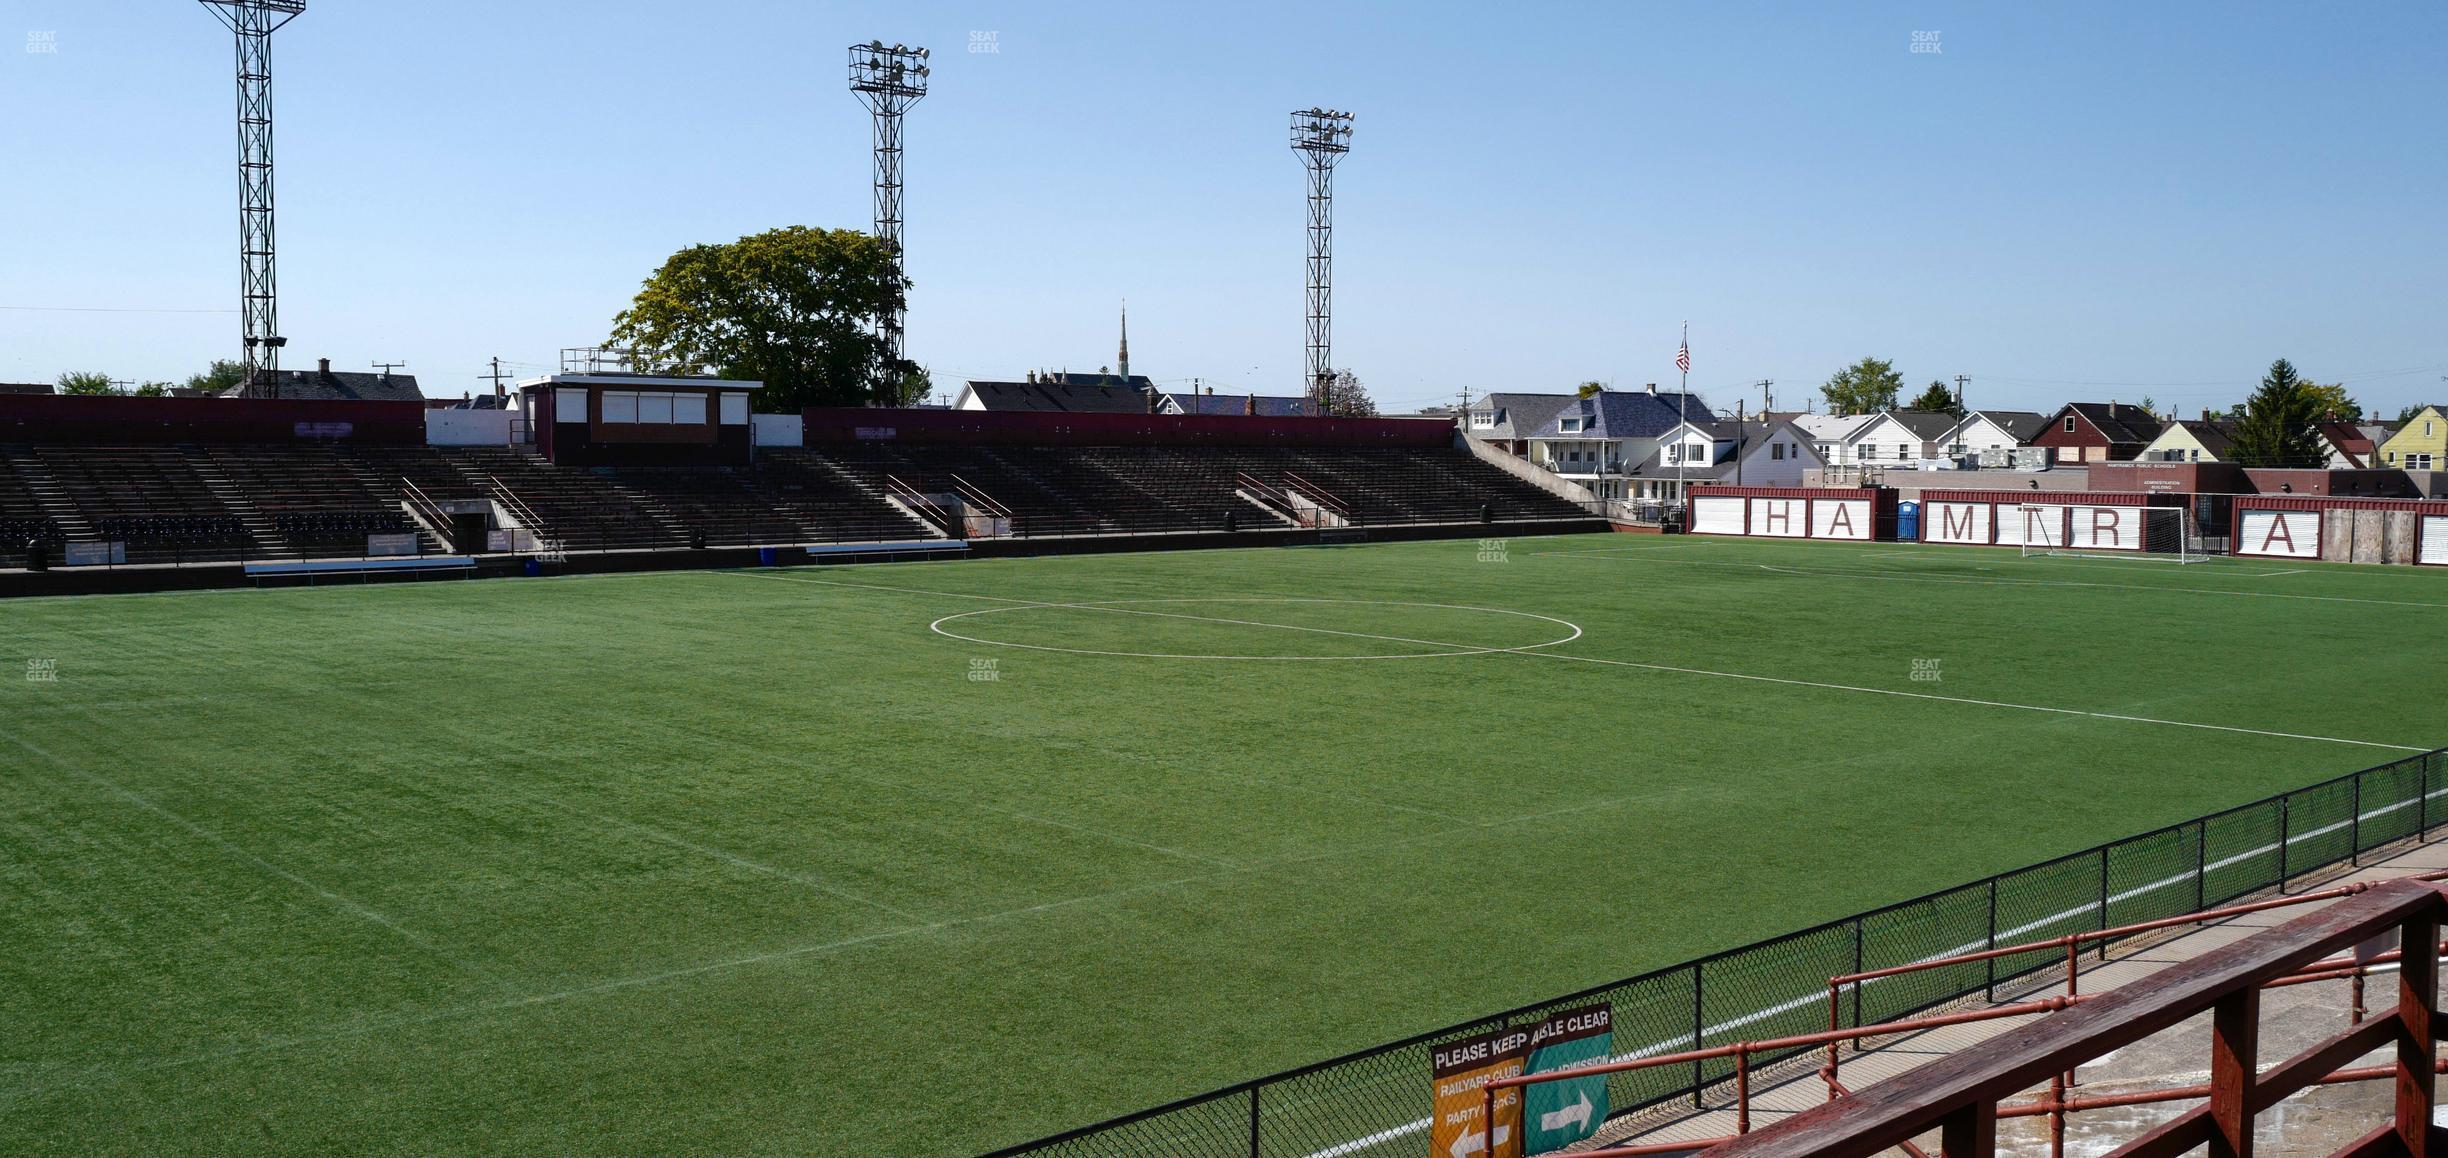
[
  {"x": 324, "y": 384},
  {"x": 2420, "y": 444},
  {"x": 2348, "y": 446},
  {"x": 1063, "y": 393},
  {"x": 2203, "y": 439},
  {"x": 2099, "y": 432},
  {"x": 1902, "y": 438},
  {"x": 1210, "y": 402},
  {"x": 1990, "y": 437},
  {"x": 1596, "y": 440},
  {"x": 25, "y": 388},
  {"x": 1740, "y": 452},
  {"x": 1831, "y": 435},
  {"x": 1508, "y": 420}
]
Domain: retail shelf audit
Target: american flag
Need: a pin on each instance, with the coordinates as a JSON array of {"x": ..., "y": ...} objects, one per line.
[{"x": 1683, "y": 353}]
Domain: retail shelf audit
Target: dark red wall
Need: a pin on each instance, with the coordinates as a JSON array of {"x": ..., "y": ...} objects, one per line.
[
  {"x": 833, "y": 425},
  {"x": 123, "y": 421},
  {"x": 2368, "y": 483},
  {"x": 2172, "y": 477}
]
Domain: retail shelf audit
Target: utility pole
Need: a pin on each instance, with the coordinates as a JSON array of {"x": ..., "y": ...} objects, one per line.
[
  {"x": 1767, "y": 398},
  {"x": 1960, "y": 382},
  {"x": 496, "y": 377}
]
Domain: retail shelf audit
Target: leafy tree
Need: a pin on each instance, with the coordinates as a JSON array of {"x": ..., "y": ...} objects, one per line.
[
  {"x": 90, "y": 383},
  {"x": 916, "y": 384},
  {"x": 2277, "y": 425},
  {"x": 2331, "y": 399},
  {"x": 1865, "y": 387},
  {"x": 1589, "y": 388},
  {"x": 2407, "y": 414},
  {"x": 223, "y": 375},
  {"x": 1939, "y": 399},
  {"x": 790, "y": 307},
  {"x": 1347, "y": 398},
  {"x": 153, "y": 390}
]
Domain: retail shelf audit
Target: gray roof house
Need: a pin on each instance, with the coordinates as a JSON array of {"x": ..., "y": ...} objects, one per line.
[
  {"x": 1509, "y": 418},
  {"x": 326, "y": 384},
  {"x": 1615, "y": 415}
]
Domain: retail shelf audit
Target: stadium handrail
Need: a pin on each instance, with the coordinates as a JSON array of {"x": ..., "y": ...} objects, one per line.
[{"x": 2337, "y": 820}]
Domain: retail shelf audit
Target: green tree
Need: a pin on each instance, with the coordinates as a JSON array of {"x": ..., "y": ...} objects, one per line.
[
  {"x": 1939, "y": 399},
  {"x": 89, "y": 383},
  {"x": 791, "y": 307},
  {"x": 2277, "y": 425},
  {"x": 2407, "y": 414},
  {"x": 223, "y": 375},
  {"x": 1347, "y": 398},
  {"x": 916, "y": 384},
  {"x": 153, "y": 390},
  {"x": 1589, "y": 388},
  {"x": 2332, "y": 399},
  {"x": 1865, "y": 387}
]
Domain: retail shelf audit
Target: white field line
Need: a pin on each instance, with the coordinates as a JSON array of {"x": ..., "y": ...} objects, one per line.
[
  {"x": 1531, "y": 650},
  {"x": 336, "y": 899},
  {"x": 1655, "y": 1049}
]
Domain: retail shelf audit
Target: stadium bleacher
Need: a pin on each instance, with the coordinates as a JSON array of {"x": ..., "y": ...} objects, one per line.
[{"x": 259, "y": 502}]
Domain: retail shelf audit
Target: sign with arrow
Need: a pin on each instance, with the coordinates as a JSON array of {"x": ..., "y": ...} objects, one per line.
[
  {"x": 1559, "y": 1113},
  {"x": 1459, "y": 1069}
]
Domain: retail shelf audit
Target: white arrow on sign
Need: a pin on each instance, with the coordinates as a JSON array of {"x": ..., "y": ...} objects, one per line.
[
  {"x": 1472, "y": 1143},
  {"x": 1577, "y": 1114}
]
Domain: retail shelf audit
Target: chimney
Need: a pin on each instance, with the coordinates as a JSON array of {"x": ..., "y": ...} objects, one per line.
[
  {"x": 2205, "y": 414},
  {"x": 1653, "y": 387},
  {"x": 323, "y": 366},
  {"x": 1251, "y": 406}
]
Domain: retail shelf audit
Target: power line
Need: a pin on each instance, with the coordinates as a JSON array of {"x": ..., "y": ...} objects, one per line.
[{"x": 107, "y": 310}]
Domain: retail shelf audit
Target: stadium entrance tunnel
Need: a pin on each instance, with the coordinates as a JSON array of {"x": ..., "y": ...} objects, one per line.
[{"x": 1258, "y": 627}]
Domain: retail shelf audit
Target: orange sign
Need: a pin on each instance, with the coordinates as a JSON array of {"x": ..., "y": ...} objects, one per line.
[{"x": 1460, "y": 1069}]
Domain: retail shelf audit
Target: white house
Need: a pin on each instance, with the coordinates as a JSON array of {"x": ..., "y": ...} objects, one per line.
[
  {"x": 1991, "y": 436},
  {"x": 1595, "y": 441},
  {"x": 1740, "y": 453},
  {"x": 1831, "y": 435},
  {"x": 1903, "y": 438}
]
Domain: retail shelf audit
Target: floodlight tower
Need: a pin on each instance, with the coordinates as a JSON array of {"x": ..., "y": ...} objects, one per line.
[
  {"x": 1321, "y": 137},
  {"x": 889, "y": 80},
  {"x": 254, "y": 22}
]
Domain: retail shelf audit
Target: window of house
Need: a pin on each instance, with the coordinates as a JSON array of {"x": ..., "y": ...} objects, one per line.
[
  {"x": 1776, "y": 450},
  {"x": 1569, "y": 425},
  {"x": 688, "y": 409},
  {"x": 1903, "y": 452},
  {"x": 620, "y": 406},
  {"x": 2069, "y": 424},
  {"x": 1483, "y": 420},
  {"x": 2418, "y": 462}
]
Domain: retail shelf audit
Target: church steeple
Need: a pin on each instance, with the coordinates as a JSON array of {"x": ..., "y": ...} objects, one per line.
[{"x": 1122, "y": 360}]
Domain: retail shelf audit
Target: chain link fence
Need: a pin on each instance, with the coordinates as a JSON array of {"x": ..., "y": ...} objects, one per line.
[{"x": 1376, "y": 1102}]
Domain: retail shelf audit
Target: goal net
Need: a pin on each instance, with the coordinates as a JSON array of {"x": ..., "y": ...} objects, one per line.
[{"x": 2075, "y": 530}]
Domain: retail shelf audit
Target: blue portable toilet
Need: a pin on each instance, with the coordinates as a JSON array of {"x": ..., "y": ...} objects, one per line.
[{"x": 1908, "y": 522}]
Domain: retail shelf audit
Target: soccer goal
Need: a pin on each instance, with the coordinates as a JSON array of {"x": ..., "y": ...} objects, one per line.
[{"x": 2077, "y": 531}]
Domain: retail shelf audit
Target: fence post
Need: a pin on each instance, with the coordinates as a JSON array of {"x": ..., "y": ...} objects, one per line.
[
  {"x": 2285, "y": 828},
  {"x": 1254, "y": 1121},
  {"x": 1989, "y": 988},
  {"x": 2201, "y": 864},
  {"x": 1859, "y": 959},
  {"x": 2103, "y": 902},
  {"x": 1699, "y": 1029},
  {"x": 2422, "y": 799},
  {"x": 2354, "y": 830}
]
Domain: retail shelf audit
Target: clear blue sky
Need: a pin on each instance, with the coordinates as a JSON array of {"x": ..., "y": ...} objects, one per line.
[{"x": 2094, "y": 201}]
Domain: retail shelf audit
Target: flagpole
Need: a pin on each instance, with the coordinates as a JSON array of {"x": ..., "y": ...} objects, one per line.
[{"x": 1683, "y": 415}]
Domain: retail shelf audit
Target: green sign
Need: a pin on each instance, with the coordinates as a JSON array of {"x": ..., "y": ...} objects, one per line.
[{"x": 1559, "y": 1113}]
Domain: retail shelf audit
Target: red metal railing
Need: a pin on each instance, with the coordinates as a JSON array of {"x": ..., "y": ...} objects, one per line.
[{"x": 2419, "y": 976}]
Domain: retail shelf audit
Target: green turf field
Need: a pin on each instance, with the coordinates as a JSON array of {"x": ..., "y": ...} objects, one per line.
[{"x": 733, "y": 862}]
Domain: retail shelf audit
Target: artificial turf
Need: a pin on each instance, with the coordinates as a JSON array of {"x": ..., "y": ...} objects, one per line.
[{"x": 756, "y": 861}]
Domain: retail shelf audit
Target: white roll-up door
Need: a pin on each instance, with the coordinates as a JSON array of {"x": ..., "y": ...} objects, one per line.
[{"x": 1717, "y": 516}]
